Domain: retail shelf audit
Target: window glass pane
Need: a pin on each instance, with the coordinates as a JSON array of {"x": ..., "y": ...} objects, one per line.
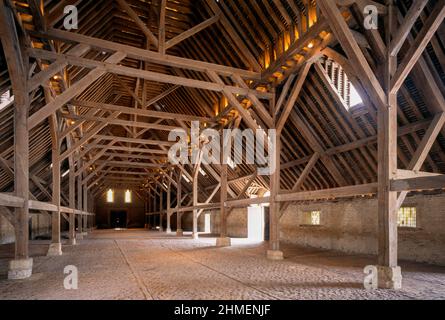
[
  {"x": 315, "y": 218},
  {"x": 354, "y": 97},
  {"x": 339, "y": 81},
  {"x": 128, "y": 196},
  {"x": 110, "y": 196},
  {"x": 5, "y": 99}
]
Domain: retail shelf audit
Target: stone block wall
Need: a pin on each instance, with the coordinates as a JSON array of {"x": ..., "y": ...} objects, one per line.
[
  {"x": 236, "y": 223},
  {"x": 39, "y": 225},
  {"x": 352, "y": 227}
]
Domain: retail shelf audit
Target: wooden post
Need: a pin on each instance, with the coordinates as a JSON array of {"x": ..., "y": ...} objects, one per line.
[
  {"x": 85, "y": 209},
  {"x": 155, "y": 206},
  {"x": 55, "y": 248},
  {"x": 274, "y": 252},
  {"x": 21, "y": 266},
  {"x": 195, "y": 203},
  {"x": 223, "y": 240},
  {"x": 161, "y": 208},
  {"x": 72, "y": 200},
  {"x": 169, "y": 212},
  {"x": 149, "y": 209},
  {"x": 389, "y": 274},
  {"x": 179, "y": 231}
]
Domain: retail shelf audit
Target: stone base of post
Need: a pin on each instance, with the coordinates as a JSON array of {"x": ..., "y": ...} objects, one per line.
[
  {"x": 275, "y": 255},
  {"x": 180, "y": 233},
  {"x": 169, "y": 230},
  {"x": 72, "y": 242},
  {"x": 20, "y": 269},
  {"x": 79, "y": 236},
  {"x": 389, "y": 278},
  {"x": 55, "y": 249},
  {"x": 195, "y": 235},
  {"x": 223, "y": 242}
]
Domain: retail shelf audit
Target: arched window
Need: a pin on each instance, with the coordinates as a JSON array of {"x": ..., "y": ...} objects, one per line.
[
  {"x": 110, "y": 196},
  {"x": 128, "y": 196}
]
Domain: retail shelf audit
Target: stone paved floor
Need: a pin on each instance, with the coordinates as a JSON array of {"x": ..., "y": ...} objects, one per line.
[{"x": 137, "y": 264}]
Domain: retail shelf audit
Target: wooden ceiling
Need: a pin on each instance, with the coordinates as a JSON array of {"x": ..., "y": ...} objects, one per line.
[{"x": 272, "y": 37}]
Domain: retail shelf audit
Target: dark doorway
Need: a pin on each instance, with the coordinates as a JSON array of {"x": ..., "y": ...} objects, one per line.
[{"x": 118, "y": 219}]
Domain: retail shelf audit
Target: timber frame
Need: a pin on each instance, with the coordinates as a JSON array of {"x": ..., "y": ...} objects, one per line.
[{"x": 108, "y": 97}]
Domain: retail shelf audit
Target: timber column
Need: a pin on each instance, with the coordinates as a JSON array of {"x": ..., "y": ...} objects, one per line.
[
  {"x": 274, "y": 252},
  {"x": 195, "y": 203},
  {"x": 21, "y": 266},
  {"x": 389, "y": 273},
  {"x": 85, "y": 209},
  {"x": 155, "y": 206},
  {"x": 169, "y": 210},
  {"x": 223, "y": 240},
  {"x": 55, "y": 248},
  {"x": 72, "y": 198},
  {"x": 161, "y": 208},
  {"x": 79, "y": 235},
  {"x": 148, "y": 212},
  {"x": 179, "y": 231}
]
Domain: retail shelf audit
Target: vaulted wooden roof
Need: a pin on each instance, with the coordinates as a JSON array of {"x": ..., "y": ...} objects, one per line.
[{"x": 271, "y": 39}]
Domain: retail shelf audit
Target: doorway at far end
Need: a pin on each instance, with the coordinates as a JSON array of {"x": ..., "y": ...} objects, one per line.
[{"x": 118, "y": 219}]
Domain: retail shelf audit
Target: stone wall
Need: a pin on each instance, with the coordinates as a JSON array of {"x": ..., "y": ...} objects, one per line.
[
  {"x": 352, "y": 227},
  {"x": 40, "y": 225},
  {"x": 6, "y": 231},
  {"x": 236, "y": 223},
  {"x": 348, "y": 226},
  {"x": 187, "y": 222}
]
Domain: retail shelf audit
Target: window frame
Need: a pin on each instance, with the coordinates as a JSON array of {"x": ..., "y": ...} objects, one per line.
[
  {"x": 407, "y": 227},
  {"x": 107, "y": 196},
  {"x": 307, "y": 215}
]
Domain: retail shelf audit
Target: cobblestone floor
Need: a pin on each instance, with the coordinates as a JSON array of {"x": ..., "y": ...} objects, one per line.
[{"x": 137, "y": 264}]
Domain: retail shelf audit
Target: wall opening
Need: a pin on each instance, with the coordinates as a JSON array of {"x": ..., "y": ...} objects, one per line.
[
  {"x": 207, "y": 223},
  {"x": 118, "y": 219},
  {"x": 407, "y": 217},
  {"x": 256, "y": 223}
]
